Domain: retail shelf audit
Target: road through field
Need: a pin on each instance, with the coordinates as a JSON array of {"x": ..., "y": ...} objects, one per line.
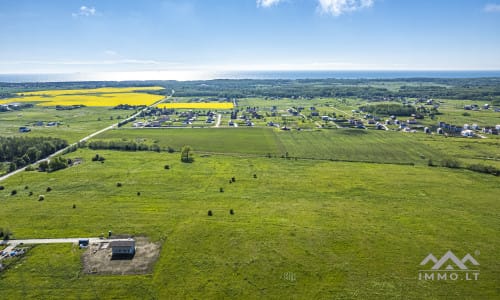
[
  {"x": 86, "y": 138},
  {"x": 12, "y": 244}
]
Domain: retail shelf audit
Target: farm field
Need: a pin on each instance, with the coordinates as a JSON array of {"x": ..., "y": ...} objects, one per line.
[
  {"x": 107, "y": 97},
  {"x": 336, "y": 144},
  {"x": 73, "y": 124},
  {"x": 302, "y": 228},
  {"x": 319, "y": 213}
]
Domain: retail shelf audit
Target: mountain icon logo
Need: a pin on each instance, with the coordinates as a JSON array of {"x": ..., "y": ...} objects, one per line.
[{"x": 449, "y": 261}]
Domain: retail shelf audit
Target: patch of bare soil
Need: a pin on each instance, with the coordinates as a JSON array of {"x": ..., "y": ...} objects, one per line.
[{"x": 98, "y": 260}]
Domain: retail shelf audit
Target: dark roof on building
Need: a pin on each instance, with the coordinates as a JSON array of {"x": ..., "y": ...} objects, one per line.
[{"x": 122, "y": 243}]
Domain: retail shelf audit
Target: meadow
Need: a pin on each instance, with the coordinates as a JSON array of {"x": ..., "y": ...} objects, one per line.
[
  {"x": 334, "y": 144},
  {"x": 301, "y": 228},
  {"x": 319, "y": 213}
]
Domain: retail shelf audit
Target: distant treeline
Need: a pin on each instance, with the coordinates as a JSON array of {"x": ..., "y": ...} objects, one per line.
[
  {"x": 22, "y": 151},
  {"x": 484, "y": 89},
  {"x": 389, "y": 109}
]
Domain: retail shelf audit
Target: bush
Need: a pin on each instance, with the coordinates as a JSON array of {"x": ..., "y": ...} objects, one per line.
[
  {"x": 30, "y": 194},
  {"x": 43, "y": 166},
  {"x": 450, "y": 163},
  {"x": 221, "y": 190},
  {"x": 30, "y": 168},
  {"x": 233, "y": 179},
  {"x": 210, "y": 213},
  {"x": 74, "y": 206},
  {"x": 41, "y": 197},
  {"x": 231, "y": 211},
  {"x": 13, "y": 192},
  {"x": 49, "y": 189},
  {"x": 167, "y": 167},
  {"x": 484, "y": 169},
  {"x": 119, "y": 184},
  {"x": 138, "y": 193},
  {"x": 97, "y": 157}
]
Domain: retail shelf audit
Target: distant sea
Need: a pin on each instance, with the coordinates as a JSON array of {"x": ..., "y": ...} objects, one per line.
[{"x": 204, "y": 75}]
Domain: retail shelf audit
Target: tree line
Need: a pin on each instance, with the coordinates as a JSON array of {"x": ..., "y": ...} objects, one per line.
[
  {"x": 389, "y": 109},
  {"x": 22, "y": 151}
]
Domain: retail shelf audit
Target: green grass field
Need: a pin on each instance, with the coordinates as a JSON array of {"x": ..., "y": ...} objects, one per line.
[
  {"x": 350, "y": 215},
  {"x": 75, "y": 124},
  {"x": 344, "y": 230},
  {"x": 337, "y": 144}
]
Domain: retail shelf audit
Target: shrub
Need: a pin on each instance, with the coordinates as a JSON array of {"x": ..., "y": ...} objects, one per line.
[
  {"x": 13, "y": 192},
  {"x": 30, "y": 194},
  {"x": 30, "y": 168},
  {"x": 138, "y": 193},
  {"x": 119, "y": 184},
  {"x": 97, "y": 157},
  {"x": 221, "y": 190},
  {"x": 233, "y": 179},
  {"x": 74, "y": 206},
  {"x": 231, "y": 211},
  {"x": 210, "y": 213},
  {"x": 43, "y": 166},
  {"x": 49, "y": 189},
  {"x": 450, "y": 163},
  {"x": 26, "y": 187},
  {"x": 167, "y": 167},
  {"x": 484, "y": 169},
  {"x": 254, "y": 175},
  {"x": 41, "y": 197}
]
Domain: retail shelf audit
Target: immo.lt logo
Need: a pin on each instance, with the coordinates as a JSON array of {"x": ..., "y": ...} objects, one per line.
[{"x": 449, "y": 267}]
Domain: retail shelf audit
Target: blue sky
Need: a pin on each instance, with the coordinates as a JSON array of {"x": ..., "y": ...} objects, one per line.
[{"x": 59, "y": 36}]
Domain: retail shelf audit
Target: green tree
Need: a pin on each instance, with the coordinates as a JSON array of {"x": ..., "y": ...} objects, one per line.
[{"x": 185, "y": 154}]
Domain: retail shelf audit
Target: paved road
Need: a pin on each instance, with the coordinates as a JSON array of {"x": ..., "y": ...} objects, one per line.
[
  {"x": 85, "y": 138},
  {"x": 219, "y": 118}
]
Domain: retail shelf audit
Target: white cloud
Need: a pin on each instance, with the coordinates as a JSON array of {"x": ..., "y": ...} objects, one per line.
[
  {"x": 492, "y": 7},
  {"x": 85, "y": 11},
  {"x": 111, "y": 53},
  {"x": 339, "y": 7},
  {"x": 267, "y": 3}
]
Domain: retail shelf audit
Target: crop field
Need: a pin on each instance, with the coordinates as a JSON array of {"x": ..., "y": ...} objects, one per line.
[
  {"x": 103, "y": 97},
  {"x": 336, "y": 144},
  {"x": 105, "y": 90},
  {"x": 318, "y": 213},
  {"x": 196, "y": 105},
  {"x": 73, "y": 124},
  {"x": 301, "y": 228},
  {"x": 253, "y": 141}
]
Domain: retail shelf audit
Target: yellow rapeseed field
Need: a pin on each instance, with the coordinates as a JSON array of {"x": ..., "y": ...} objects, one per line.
[
  {"x": 194, "y": 105},
  {"x": 90, "y": 97},
  {"x": 91, "y": 91}
]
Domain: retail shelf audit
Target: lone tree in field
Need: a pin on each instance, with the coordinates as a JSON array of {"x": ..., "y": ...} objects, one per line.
[{"x": 185, "y": 152}]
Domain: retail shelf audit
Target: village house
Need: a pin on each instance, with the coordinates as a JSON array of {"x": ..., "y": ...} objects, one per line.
[{"x": 122, "y": 247}]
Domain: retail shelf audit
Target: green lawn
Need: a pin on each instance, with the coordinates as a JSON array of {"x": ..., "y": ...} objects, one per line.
[{"x": 343, "y": 230}]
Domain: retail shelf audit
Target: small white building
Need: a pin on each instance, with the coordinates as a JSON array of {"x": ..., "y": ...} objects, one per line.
[{"x": 467, "y": 133}]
